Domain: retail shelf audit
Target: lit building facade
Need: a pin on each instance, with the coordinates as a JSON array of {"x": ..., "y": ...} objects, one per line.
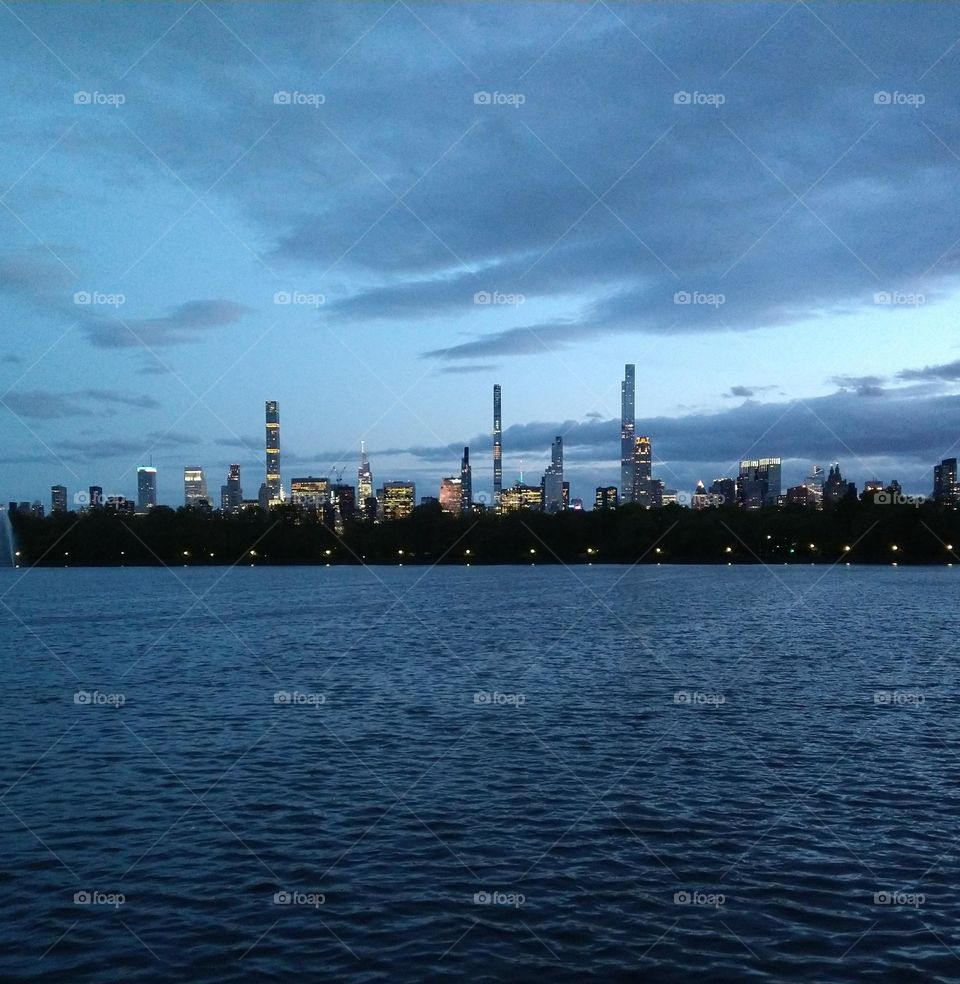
[
  {"x": 627, "y": 431},
  {"x": 520, "y": 496},
  {"x": 497, "y": 448},
  {"x": 466, "y": 482},
  {"x": 553, "y": 497},
  {"x": 450, "y": 499},
  {"x": 194, "y": 487},
  {"x": 273, "y": 483},
  {"x": 606, "y": 497},
  {"x": 58, "y": 498},
  {"x": 146, "y": 487},
  {"x": 758, "y": 483},
  {"x": 945, "y": 487},
  {"x": 365, "y": 496},
  {"x": 231, "y": 494},
  {"x": 310, "y": 493},
  {"x": 399, "y": 498}
]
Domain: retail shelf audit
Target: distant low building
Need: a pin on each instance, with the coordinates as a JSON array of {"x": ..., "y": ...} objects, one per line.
[
  {"x": 399, "y": 499},
  {"x": 518, "y": 497},
  {"x": 606, "y": 497}
]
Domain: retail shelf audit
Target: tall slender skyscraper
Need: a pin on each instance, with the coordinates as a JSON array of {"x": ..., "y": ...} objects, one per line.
[
  {"x": 627, "y": 429},
  {"x": 364, "y": 480},
  {"x": 466, "y": 482},
  {"x": 497, "y": 448},
  {"x": 553, "y": 479},
  {"x": 146, "y": 487},
  {"x": 273, "y": 449}
]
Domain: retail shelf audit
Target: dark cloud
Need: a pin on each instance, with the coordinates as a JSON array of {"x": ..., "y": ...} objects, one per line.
[
  {"x": 469, "y": 367},
  {"x": 747, "y": 391},
  {"x": 948, "y": 372},
  {"x": 11, "y": 359},
  {"x": 187, "y": 323},
  {"x": 861, "y": 385},
  {"x": 47, "y": 405}
]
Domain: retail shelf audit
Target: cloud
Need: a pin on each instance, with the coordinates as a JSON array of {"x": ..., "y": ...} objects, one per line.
[
  {"x": 949, "y": 372},
  {"x": 469, "y": 367},
  {"x": 11, "y": 359},
  {"x": 747, "y": 391},
  {"x": 48, "y": 405},
  {"x": 187, "y": 323},
  {"x": 861, "y": 385}
]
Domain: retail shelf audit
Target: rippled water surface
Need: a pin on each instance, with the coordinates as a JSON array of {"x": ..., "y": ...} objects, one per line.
[{"x": 722, "y": 774}]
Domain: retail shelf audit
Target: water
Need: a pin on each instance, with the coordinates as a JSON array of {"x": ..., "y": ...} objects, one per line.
[{"x": 653, "y": 773}]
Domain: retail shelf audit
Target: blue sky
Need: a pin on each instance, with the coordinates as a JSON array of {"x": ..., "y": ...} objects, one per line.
[{"x": 170, "y": 170}]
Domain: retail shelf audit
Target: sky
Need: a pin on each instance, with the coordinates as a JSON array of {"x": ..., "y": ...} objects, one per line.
[{"x": 373, "y": 212}]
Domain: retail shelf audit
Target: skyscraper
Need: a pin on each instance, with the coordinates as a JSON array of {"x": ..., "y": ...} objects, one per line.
[
  {"x": 758, "y": 483},
  {"x": 146, "y": 487},
  {"x": 58, "y": 498},
  {"x": 450, "y": 495},
  {"x": 96, "y": 496},
  {"x": 644, "y": 490},
  {"x": 399, "y": 499},
  {"x": 364, "y": 479},
  {"x": 273, "y": 450},
  {"x": 466, "y": 482},
  {"x": 627, "y": 430},
  {"x": 231, "y": 494},
  {"x": 553, "y": 479},
  {"x": 497, "y": 448},
  {"x": 194, "y": 487},
  {"x": 606, "y": 497},
  {"x": 945, "y": 487}
]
